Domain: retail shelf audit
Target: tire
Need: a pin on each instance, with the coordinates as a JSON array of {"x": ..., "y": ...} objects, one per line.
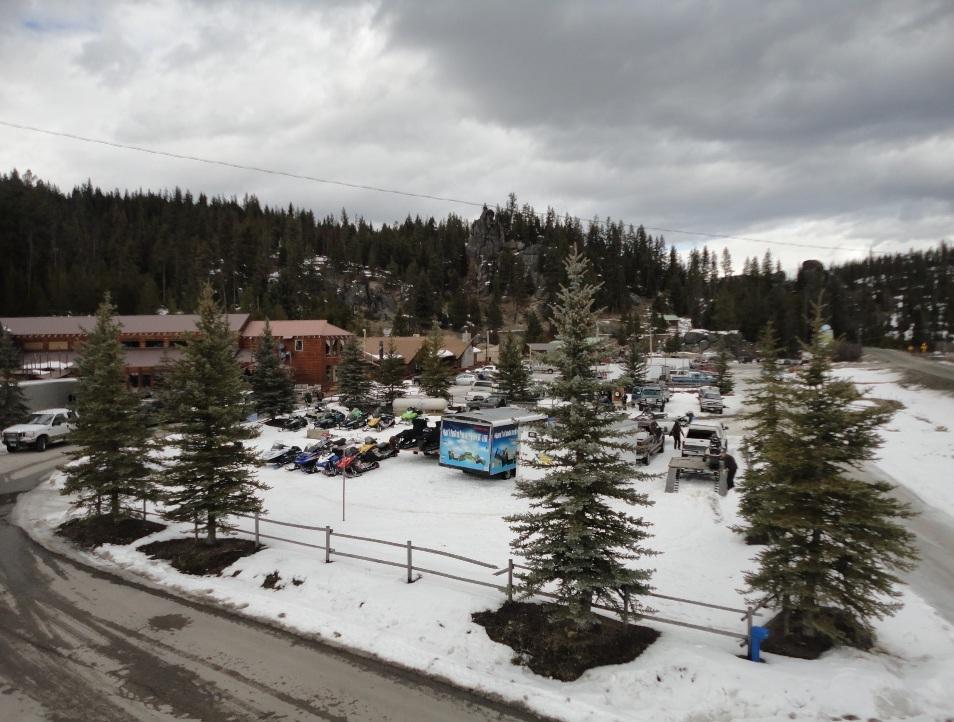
[
  {"x": 11, "y": 449},
  {"x": 41, "y": 443},
  {"x": 646, "y": 460}
]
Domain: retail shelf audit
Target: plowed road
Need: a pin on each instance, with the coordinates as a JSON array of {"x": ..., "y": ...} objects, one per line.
[
  {"x": 911, "y": 362},
  {"x": 77, "y": 644}
]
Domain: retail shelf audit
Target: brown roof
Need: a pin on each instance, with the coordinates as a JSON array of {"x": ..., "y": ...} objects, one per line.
[
  {"x": 289, "y": 329},
  {"x": 407, "y": 347},
  {"x": 173, "y": 323}
]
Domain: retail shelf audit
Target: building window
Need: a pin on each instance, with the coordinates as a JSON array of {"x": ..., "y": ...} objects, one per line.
[
  {"x": 299, "y": 344},
  {"x": 58, "y": 345},
  {"x": 154, "y": 343},
  {"x": 131, "y": 344}
]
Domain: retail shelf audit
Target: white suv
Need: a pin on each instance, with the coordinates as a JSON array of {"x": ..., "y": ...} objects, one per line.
[{"x": 40, "y": 430}]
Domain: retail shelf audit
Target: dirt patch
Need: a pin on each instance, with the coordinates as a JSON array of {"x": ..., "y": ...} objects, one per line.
[
  {"x": 271, "y": 581},
  {"x": 796, "y": 645},
  {"x": 558, "y": 649},
  {"x": 169, "y": 622},
  {"x": 192, "y": 556},
  {"x": 92, "y": 531}
]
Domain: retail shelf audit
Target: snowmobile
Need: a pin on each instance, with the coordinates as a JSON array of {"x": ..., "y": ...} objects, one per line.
[
  {"x": 294, "y": 423},
  {"x": 348, "y": 463},
  {"x": 430, "y": 440},
  {"x": 380, "y": 420},
  {"x": 280, "y": 454},
  {"x": 329, "y": 466},
  {"x": 329, "y": 419},
  {"x": 306, "y": 460},
  {"x": 373, "y": 451},
  {"x": 408, "y": 416},
  {"x": 355, "y": 420},
  {"x": 408, "y": 438}
]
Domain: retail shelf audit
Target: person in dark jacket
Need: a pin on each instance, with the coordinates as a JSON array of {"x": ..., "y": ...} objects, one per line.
[
  {"x": 730, "y": 467},
  {"x": 676, "y": 434}
]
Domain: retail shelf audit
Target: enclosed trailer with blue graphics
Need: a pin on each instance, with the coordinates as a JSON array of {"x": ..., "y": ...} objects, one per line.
[{"x": 484, "y": 442}]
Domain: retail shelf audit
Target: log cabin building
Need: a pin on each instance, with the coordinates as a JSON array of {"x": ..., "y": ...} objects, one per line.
[{"x": 49, "y": 345}]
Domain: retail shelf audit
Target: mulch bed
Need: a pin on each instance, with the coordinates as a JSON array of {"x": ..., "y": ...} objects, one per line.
[
  {"x": 92, "y": 531},
  {"x": 558, "y": 649},
  {"x": 191, "y": 556},
  {"x": 797, "y": 645}
]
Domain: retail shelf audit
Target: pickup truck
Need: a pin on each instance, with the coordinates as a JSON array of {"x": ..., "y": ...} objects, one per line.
[
  {"x": 650, "y": 438},
  {"x": 43, "y": 428},
  {"x": 704, "y": 439},
  {"x": 651, "y": 397},
  {"x": 480, "y": 390},
  {"x": 710, "y": 399}
]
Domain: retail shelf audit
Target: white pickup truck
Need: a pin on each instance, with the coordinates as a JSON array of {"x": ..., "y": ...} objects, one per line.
[
  {"x": 43, "y": 428},
  {"x": 704, "y": 439},
  {"x": 481, "y": 390}
]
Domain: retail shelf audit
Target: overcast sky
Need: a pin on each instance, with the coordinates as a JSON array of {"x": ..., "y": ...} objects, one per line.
[{"x": 829, "y": 124}]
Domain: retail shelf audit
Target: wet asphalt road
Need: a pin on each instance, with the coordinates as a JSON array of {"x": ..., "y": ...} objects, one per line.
[
  {"x": 904, "y": 361},
  {"x": 78, "y": 644}
]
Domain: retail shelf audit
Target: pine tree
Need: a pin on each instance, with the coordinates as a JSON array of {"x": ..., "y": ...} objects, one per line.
[
  {"x": 13, "y": 406},
  {"x": 113, "y": 458},
  {"x": 831, "y": 565},
  {"x": 512, "y": 376},
  {"x": 400, "y": 326},
  {"x": 435, "y": 379},
  {"x": 273, "y": 391},
  {"x": 723, "y": 374},
  {"x": 534, "y": 329},
  {"x": 354, "y": 385},
  {"x": 573, "y": 538},
  {"x": 391, "y": 374},
  {"x": 213, "y": 476},
  {"x": 634, "y": 363},
  {"x": 766, "y": 398}
]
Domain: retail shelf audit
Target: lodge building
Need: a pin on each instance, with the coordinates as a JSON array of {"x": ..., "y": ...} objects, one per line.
[{"x": 50, "y": 344}]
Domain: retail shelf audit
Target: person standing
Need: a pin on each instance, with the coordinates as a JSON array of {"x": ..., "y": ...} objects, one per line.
[
  {"x": 731, "y": 466},
  {"x": 676, "y": 434}
]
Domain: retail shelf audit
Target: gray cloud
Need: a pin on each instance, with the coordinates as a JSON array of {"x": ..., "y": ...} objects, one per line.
[{"x": 813, "y": 123}]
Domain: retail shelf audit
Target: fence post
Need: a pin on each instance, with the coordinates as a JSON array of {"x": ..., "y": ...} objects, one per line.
[
  {"x": 510, "y": 580},
  {"x": 328, "y": 545},
  {"x": 257, "y": 545},
  {"x": 748, "y": 630},
  {"x": 410, "y": 566}
]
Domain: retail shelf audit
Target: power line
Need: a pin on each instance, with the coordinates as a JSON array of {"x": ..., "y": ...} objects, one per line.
[{"x": 392, "y": 191}]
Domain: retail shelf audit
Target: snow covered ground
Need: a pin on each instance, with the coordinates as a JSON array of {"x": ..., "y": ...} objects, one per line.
[{"x": 685, "y": 675}]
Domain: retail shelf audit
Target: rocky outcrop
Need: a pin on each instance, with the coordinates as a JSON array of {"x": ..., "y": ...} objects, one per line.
[{"x": 488, "y": 241}]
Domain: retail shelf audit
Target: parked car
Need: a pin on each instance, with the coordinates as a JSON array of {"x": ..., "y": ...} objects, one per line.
[
  {"x": 43, "y": 428},
  {"x": 480, "y": 389},
  {"x": 704, "y": 439},
  {"x": 711, "y": 400},
  {"x": 494, "y": 401},
  {"x": 650, "y": 438},
  {"x": 464, "y": 379}
]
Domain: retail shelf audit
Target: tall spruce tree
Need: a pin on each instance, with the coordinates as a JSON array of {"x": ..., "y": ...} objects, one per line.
[
  {"x": 831, "y": 565},
  {"x": 13, "y": 406},
  {"x": 114, "y": 454},
  {"x": 435, "y": 376},
  {"x": 574, "y": 538},
  {"x": 534, "y": 329},
  {"x": 766, "y": 399},
  {"x": 354, "y": 386},
  {"x": 391, "y": 370},
  {"x": 214, "y": 475},
  {"x": 273, "y": 390},
  {"x": 724, "y": 378},
  {"x": 512, "y": 376},
  {"x": 634, "y": 363}
]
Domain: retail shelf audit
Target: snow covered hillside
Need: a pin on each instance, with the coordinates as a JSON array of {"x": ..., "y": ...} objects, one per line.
[{"x": 685, "y": 675}]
